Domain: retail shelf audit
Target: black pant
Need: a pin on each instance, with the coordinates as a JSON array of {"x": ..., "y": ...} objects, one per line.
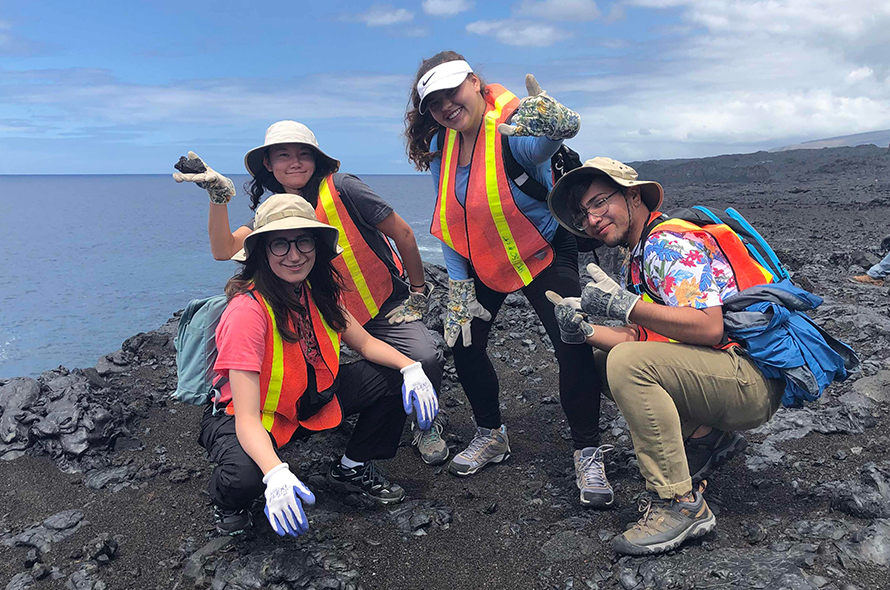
[
  {"x": 579, "y": 386},
  {"x": 372, "y": 391}
]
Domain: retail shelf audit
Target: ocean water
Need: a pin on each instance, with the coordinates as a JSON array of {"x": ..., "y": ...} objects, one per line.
[{"x": 92, "y": 260}]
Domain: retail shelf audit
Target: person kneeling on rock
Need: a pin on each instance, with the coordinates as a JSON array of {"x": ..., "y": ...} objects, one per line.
[
  {"x": 280, "y": 377},
  {"x": 669, "y": 369}
]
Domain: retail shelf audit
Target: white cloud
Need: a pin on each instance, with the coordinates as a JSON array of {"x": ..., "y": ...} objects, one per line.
[
  {"x": 567, "y": 10},
  {"x": 519, "y": 33},
  {"x": 382, "y": 15},
  {"x": 446, "y": 8}
]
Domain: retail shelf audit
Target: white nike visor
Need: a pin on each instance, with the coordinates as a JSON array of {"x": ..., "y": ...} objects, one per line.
[{"x": 450, "y": 74}]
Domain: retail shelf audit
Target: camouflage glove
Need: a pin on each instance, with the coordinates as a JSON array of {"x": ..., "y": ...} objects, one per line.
[
  {"x": 413, "y": 308},
  {"x": 541, "y": 115},
  {"x": 604, "y": 297},
  {"x": 572, "y": 327},
  {"x": 193, "y": 169},
  {"x": 461, "y": 308}
]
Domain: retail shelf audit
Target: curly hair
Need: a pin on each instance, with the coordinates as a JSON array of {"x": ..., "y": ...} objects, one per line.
[
  {"x": 420, "y": 129},
  {"x": 264, "y": 181},
  {"x": 327, "y": 285}
]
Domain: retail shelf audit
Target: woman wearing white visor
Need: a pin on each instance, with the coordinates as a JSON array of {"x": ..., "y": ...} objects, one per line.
[
  {"x": 497, "y": 239},
  {"x": 386, "y": 294}
]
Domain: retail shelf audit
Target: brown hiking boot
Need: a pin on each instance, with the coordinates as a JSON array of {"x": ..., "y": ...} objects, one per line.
[
  {"x": 665, "y": 525},
  {"x": 868, "y": 280}
]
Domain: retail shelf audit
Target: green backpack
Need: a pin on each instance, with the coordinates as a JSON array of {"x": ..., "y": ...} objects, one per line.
[{"x": 196, "y": 350}]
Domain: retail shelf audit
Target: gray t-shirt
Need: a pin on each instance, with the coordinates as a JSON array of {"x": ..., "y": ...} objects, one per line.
[{"x": 370, "y": 206}]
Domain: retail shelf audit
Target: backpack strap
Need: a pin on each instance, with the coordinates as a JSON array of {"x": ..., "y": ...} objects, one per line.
[{"x": 519, "y": 176}]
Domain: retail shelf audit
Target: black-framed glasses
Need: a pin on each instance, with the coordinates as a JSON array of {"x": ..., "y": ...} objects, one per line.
[
  {"x": 281, "y": 246},
  {"x": 581, "y": 220}
]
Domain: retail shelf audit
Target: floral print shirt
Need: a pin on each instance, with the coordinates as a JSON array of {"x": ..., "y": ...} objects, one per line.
[{"x": 686, "y": 269}]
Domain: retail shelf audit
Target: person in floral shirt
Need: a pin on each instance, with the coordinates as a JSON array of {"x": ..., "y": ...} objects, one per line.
[{"x": 683, "y": 388}]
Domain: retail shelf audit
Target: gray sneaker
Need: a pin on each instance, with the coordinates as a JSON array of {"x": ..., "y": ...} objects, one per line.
[
  {"x": 490, "y": 445},
  {"x": 590, "y": 477},
  {"x": 432, "y": 447}
]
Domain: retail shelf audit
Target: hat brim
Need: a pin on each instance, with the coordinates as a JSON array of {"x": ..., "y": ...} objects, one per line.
[
  {"x": 651, "y": 193},
  {"x": 329, "y": 234},
  {"x": 253, "y": 160},
  {"x": 444, "y": 83}
]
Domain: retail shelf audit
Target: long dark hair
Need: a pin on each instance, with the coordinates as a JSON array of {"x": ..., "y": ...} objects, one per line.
[
  {"x": 264, "y": 181},
  {"x": 420, "y": 129},
  {"x": 281, "y": 296}
]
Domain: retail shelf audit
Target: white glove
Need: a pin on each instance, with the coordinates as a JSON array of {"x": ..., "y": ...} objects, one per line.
[
  {"x": 283, "y": 507},
  {"x": 604, "y": 297},
  {"x": 419, "y": 396},
  {"x": 220, "y": 188},
  {"x": 461, "y": 308}
]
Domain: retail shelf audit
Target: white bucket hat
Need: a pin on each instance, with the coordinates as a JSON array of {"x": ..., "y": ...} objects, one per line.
[
  {"x": 444, "y": 76},
  {"x": 287, "y": 211},
  {"x": 285, "y": 132},
  {"x": 650, "y": 191}
]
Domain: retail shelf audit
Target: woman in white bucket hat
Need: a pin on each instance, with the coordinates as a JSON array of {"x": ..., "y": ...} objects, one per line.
[
  {"x": 386, "y": 296},
  {"x": 497, "y": 238},
  {"x": 280, "y": 379}
]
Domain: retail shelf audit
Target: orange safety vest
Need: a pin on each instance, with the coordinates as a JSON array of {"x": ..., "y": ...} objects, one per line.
[
  {"x": 368, "y": 260},
  {"x": 283, "y": 378},
  {"x": 747, "y": 271},
  {"x": 505, "y": 248}
]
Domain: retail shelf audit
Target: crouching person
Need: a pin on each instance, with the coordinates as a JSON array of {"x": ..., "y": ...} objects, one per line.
[
  {"x": 280, "y": 379},
  {"x": 670, "y": 369}
]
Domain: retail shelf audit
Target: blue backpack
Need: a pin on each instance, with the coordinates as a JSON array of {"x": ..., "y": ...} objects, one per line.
[{"x": 196, "y": 349}]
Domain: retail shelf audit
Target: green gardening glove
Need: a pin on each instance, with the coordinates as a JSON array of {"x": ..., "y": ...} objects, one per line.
[
  {"x": 541, "y": 115},
  {"x": 573, "y": 329},
  {"x": 193, "y": 169},
  {"x": 460, "y": 310}
]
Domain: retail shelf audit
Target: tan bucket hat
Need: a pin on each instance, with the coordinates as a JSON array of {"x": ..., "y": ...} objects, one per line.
[
  {"x": 650, "y": 191},
  {"x": 285, "y": 132},
  {"x": 287, "y": 211}
]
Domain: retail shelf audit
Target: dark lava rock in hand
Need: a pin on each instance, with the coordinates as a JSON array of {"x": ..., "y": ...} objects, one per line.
[{"x": 187, "y": 166}]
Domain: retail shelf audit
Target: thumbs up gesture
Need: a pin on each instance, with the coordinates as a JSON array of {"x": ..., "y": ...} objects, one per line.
[{"x": 541, "y": 115}]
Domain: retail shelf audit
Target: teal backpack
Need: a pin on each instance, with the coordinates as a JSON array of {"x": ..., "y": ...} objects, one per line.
[{"x": 196, "y": 349}]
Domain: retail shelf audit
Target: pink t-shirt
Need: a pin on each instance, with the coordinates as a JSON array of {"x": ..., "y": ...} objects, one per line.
[{"x": 240, "y": 340}]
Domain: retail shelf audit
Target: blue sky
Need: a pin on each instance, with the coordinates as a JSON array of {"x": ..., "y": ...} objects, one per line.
[{"x": 127, "y": 87}]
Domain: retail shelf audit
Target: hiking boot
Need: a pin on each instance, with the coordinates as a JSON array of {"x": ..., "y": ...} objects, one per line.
[
  {"x": 430, "y": 443},
  {"x": 665, "y": 525},
  {"x": 590, "y": 477},
  {"x": 367, "y": 480},
  {"x": 490, "y": 445},
  {"x": 232, "y": 521},
  {"x": 705, "y": 454},
  {"x": 868, "y": 280}
]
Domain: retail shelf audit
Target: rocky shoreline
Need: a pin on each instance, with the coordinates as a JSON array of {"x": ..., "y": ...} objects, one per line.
[{"x": 102, "y": 479}]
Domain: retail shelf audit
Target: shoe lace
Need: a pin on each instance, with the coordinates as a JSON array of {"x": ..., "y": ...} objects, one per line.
[
  {"x": 433, "y": 435},
  {"x": 477, "y": 444},
  {"x": 373, "y": 475},
  {"x": 593, "y": 469},
  {"x": 648, "y": 504}
]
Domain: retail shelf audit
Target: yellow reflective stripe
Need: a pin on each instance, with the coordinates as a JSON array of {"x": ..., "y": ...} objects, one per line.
[
  {"x": 330, "y": 209},
  {"x": 273, "y": 393},
  {"x": 445, "y": 172},
  {"x": 491, "y": 187}
]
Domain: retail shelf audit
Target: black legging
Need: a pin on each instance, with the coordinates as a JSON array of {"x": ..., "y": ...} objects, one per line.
[{"x": 579, "y": 385}]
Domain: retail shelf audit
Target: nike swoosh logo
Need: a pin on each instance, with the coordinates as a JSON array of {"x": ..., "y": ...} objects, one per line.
[{"x": 424, "y": 82}]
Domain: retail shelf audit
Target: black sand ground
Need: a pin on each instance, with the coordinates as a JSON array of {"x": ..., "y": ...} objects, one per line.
[{"x": 805, "y": 508}]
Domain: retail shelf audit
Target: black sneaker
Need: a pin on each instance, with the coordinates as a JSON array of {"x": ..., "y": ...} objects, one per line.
[
  {"x": 232, "y": 522},
  {"x": 705, "y": 454},
  {"x": 366, "y": 480}
]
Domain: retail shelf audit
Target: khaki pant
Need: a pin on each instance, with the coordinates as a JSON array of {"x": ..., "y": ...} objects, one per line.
[{"x": 666, "y": 391}]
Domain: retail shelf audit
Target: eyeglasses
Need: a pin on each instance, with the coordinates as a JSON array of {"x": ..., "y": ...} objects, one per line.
[
  {"x": 281, "y": 246},
  {"x": 581, "y": 220}
]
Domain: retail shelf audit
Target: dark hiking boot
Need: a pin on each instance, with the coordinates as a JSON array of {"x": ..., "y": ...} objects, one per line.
[
  {"x": 367, "y": 480},
  {"x": 232, "y": 521},
  {"x": 705, "y": 454}
]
